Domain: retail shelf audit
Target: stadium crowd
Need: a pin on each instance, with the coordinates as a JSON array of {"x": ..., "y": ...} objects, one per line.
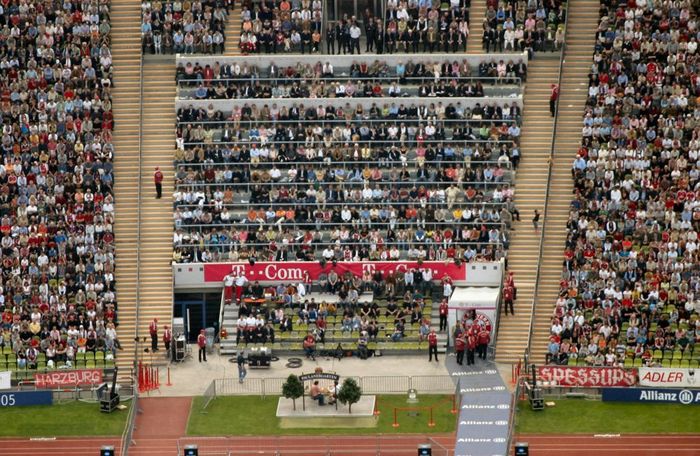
[
  {"x": 426, "y": 26},
  {"x": 376, "y": 186},
  {"x": 56, "y": 201},
  {"x": 630, "y": 278},
  {"x": 174, "y": 26},
  {"x": 524, "y": 25},
  {"x": 396, "y": 311},
  {"x": 281, "y": 26}
]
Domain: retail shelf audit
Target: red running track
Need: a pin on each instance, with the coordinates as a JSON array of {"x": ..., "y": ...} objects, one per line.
[
  {"x": 612, "y": 444},
  {"x": 69, "y": 446}
]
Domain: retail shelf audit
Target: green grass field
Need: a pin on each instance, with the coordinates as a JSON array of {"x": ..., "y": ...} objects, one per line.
[
  {"x": 232, "y": 416},
  {"x": 62, "y": 420},
  {"x": 578, "y": 416}
]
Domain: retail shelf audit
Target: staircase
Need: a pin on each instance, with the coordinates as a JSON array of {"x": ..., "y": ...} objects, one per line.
[
  {"x": 156, "y": 278},
  {"x": 580, "y": 38},
  {"x": 477, "y": 14},
  {"x": 530, "y": 186},
  {"x": 228, "y": 322},
  {"x": 126, "y": 55},
  {"x": 233, "y": 31}
]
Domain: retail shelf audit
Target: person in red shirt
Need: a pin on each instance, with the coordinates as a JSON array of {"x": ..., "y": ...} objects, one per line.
[
  {"x": 460, "y": 345},
  {"x": 483, "y": 340},
  {"x": 202, "y": 344},
  {"x": 554, "y": 95},
  {"x": 508, "y": 299},
  {"x": 153, "y": 330},
  {"x": 444, "y": 309},
  {"x": 167, "y": 337},
  {"x": 432, "y": 346},
  {"x": 158, "y": 180},
  {"x": 471, "y": 348}
]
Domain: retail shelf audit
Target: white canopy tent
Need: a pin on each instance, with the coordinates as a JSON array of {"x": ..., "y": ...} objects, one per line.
[{"x": 484, "y": 300}]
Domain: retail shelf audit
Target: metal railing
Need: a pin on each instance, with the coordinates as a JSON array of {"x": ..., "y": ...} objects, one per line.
[
  {"x": 128, "y": 433},
  {"x": 346, "y": 77},
  {"x": 399, "y": 384},
  {"x": 538, "y": 273},
  {"x": 343, "y": 184},
  {"x": 376, "y": 163},
  {"x": 415, "y": 120},
  {"x": 410, "y": 142},
  {"x": 399, "y": 224}
]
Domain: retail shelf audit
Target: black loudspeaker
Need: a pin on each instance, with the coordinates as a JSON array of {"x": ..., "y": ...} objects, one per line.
[
  {"x": 191, "y": 450},
  {"x": 425, "y": 450},
  {"x": 521, "y": 449},
  {"x": 107, "y": 451}
]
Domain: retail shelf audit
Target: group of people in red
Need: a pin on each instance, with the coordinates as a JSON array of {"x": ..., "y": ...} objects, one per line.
[{"x": 471, "y": 337}]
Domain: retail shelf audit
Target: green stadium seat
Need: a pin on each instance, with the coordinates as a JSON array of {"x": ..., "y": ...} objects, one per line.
[{"x": 666, "y": 362}]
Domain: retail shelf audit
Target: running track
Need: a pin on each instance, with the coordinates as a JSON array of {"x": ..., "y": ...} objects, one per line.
[
  {"x": 540, "y": 445},
  {"x": 608, "y": 445}
]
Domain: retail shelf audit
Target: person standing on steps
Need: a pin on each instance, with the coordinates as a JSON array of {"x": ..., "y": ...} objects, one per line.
[
  {"x": 553, "y": 97},
  {"x": 432, "y": 346},
  {"x": 167, "y": 337},
  {"x": 536, "y": 220},
  {"x": 508, "y": 299},
  {"x": 153, "y": 330},
  {"x": 158, "y": 180},
  {"x": 202, "y": 344},
  {"x": 444, "y": 309}
]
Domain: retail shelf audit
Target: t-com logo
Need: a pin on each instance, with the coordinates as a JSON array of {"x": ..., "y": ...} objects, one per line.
[{"x": 685, "y": 397}]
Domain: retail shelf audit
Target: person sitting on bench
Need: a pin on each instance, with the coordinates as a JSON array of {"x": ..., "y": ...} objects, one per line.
[
  {"x": 309, "y": 345},
  {"x": 317, "y": 394}
]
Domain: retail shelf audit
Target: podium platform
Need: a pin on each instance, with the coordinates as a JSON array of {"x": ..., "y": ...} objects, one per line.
[{"x": 316, "y": 416}]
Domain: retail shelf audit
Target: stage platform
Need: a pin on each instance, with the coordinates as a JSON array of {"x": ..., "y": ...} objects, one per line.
[{"x": 326, "y": 416}]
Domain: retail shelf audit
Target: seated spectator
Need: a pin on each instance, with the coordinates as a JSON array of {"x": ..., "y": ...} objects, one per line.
[
  {"x": 316, "y": 393},
  {"x": 176, "y": 27}
]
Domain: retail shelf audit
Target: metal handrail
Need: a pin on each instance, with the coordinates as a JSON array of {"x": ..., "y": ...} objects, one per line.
[
  {"x": 138, "y": 199},
  {"x": 346, "y": 183},
  {"x": 435, "y": 121},
  {"x": 316, "y": 245},
  {"x": 546, "y": 194},
  {"x": 248, "y": 204},
  {"x": 345, "y": 162},
  {"x": 399, "y": 224},
  {"x": 406, "y": 142},
  {"x": 343, "y": 77}
]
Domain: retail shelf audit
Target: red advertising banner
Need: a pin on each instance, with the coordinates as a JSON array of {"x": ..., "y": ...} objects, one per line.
[
  {"x": 294, "y": 271},
  {"x": 68, "y": 378},
  {"x": 587, "y": 376}
]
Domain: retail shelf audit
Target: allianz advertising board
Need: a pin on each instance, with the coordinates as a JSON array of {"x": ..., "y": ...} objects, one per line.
[{"x": 667, "y": 395}]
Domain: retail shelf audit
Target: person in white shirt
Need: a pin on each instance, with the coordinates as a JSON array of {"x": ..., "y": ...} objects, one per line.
[
  {"x": 229, "y": 280},
  {"x": 241, "y": 282},
  {"x": 355, "y": 33},
  {"x": 427, "y": 282}
]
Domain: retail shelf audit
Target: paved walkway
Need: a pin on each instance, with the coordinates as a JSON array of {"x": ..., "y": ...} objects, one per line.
[
  {"x": 191, "y": 378},
  {"x": 160, "y": 422}
]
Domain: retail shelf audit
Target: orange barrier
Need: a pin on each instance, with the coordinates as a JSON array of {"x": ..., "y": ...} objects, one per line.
[{"x": 431, "y": 422}]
